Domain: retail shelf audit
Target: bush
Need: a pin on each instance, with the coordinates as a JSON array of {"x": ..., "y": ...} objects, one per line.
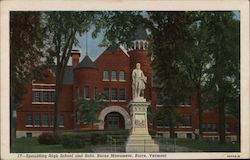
[
  {"x": 152, "y": 132},
  {"x": 98, "y": 138},
  {"x": 49, "y": 138},
  {"x": 73, "y": 141}
]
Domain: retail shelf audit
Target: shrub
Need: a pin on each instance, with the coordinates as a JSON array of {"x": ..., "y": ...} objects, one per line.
[
  {"x": 49, "y": 138},
  {"x": 72, "y": 141},
  {"x": 152, "y": 132},
  {"x": 98, "y": 138}
]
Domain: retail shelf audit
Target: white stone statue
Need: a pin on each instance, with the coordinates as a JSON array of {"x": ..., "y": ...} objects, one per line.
[{"x": 139, "y": 80}]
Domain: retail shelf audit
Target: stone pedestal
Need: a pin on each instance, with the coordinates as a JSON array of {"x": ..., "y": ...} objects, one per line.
[{"x": 139, "y": 139}]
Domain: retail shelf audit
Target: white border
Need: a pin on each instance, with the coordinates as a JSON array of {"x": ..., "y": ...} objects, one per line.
[{"x": 170, "y": 5}]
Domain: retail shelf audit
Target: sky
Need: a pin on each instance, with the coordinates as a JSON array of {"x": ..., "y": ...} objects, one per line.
[{"x": 93, "y": 49}]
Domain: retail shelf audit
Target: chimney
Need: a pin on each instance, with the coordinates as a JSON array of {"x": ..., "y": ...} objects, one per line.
[{"x": 75, "y": 55}]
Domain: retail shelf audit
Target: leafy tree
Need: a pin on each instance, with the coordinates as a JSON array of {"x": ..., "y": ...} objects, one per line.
[
  {"x": 26, "y": 43},
  {"x": 87, "y": 109},
  {"x": 62, "y": 29},
  {"x": 196, "y": 61},
  {"x": 169, "y": 39},
  {"x": 223, "y": 45}
]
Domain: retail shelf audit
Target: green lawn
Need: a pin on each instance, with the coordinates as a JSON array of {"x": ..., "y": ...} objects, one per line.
[
  {"x": 31, "y": 145},
  {"x": 207, "y": 146}
]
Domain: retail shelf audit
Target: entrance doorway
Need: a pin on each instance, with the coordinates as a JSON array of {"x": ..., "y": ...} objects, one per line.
[{"x": 113, "y": 121}]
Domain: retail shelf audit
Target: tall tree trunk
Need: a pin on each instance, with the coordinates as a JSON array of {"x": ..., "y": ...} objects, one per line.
[
  {"x": 222, "y": 118},
  {"x": 171, "y": 127},
  {"x": 198, "y": 95}
]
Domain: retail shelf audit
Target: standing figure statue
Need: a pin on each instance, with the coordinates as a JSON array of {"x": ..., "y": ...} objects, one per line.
[{"x": 139, "y": 80}]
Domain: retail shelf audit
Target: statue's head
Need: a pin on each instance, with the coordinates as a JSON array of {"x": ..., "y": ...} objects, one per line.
[{"x": 138, "y": 65}]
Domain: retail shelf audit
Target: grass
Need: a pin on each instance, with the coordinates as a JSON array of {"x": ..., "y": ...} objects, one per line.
[
  {"x": 31, "y": 145},
  {"x": 206, "y": 145}
]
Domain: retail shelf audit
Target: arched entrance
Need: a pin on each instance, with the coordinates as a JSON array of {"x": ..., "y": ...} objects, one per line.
[
  {"x": 114, "y": 120},
  {"x": 115, "y": 113}
]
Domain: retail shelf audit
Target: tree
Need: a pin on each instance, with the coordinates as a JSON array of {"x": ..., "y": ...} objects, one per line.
[
  {"x": 87, "y": 109},
  {"x": 26, "y": 42},
  {"x": 223, "y": 45},
  {"x": 196, "y": 61},
  {"x": 169, "y": 39},
  {"x": 62, "y": 29}
]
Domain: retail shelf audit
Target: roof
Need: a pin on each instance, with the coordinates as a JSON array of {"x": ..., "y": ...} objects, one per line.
[
  {"x": 86, "y": 63},
  {"x": 140, "y": 33},
  {"x": 68, "y": 74}
]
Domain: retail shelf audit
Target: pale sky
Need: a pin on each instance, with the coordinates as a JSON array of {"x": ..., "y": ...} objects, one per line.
[{"x": 94, "y": 50}]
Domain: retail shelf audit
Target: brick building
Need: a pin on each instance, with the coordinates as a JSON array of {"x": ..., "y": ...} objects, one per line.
[{"x": 110, "y": 75}]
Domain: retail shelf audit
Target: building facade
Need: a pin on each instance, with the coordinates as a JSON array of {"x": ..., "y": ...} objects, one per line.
[{"x": 110, "y": 75}]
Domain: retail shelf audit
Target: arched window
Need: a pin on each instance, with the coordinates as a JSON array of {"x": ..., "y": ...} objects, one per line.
[
  {"x": 141, "y": 45},
  {"x": 113, "y": 75},
  {"x": 137, "y": 45},
  {"x": 105, "y": 75},
  {"x": 121, "y": 76}
]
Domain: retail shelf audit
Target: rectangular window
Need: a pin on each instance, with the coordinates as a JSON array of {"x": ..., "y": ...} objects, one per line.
[
  {"x": 187, "y": 121},
  {"x": 29, "y": 119},
  {"x": 37, "y": 119},
  {"x": 105, "y": 75},
  {"x": 214, "y": 128},
  {"x": 45, "y": 119},
  {"x": 209, "y": 127},
  {"x": 114, "y": 94},
  {"x": 45, "y": 96},
  {"x": 61, "y": 120},
  {"x": 186, "y": 101},
  {"x": 203, "y": 126},
  {"x": 86, "y": 91},
  {"x": 121, "y": 76},
  {"x": 162, "y": 124},
  {"x": 52, "y": 96},
  {"x": 122, "y": 94},
  {"x": 113, "y": 75},
  {"x": 52, "y": 120},
  {"x": 227, "y": 127},
  {"x": 37, "y": 96},
  {"x": 106, "y": 93}
]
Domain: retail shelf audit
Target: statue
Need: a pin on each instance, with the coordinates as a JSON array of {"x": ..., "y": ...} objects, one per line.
[{"x": 139, "y": 80}]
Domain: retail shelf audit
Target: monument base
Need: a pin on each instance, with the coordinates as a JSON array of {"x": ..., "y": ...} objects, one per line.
[
  {"x": 141, "y": 143},
  {"x": 139, "y": 139}
]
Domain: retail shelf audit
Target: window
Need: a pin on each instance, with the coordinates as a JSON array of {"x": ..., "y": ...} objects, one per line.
[
  {"x": 122, "y": 94},
  {"x": 187, "y": 121},
  {"x": 105, "y": 75},
  {"x": 106, "y": 93},
  {"x": 121, "y": 76},
  {"x": 45, "y": 119},
  {"x": 113, "y": 75},
  {"x": 162, "y": 124},
  {"x": 114, "y": 94},
  {"x": 227, "y": 127},
  {"x": 29, "y": 119},
  {"x": 189, "y": 135},
  {"x": 37, "y": 119},
  {"x": 61, "y": 120},
  {"x": 214, "y": 128},
  {"x": 86, "y": 92},
  {"x": 203, "y": 126},
  {"x": 45, "y": 96},
  {"x": 186, "y": 101},
  {"x": 29, "y": 135},
  {"x": 37, "y": 96},
  {"x": 209, "y": 127},
  {"x": 52, "y": 120},
  {"x": 52, "y": 96}
]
